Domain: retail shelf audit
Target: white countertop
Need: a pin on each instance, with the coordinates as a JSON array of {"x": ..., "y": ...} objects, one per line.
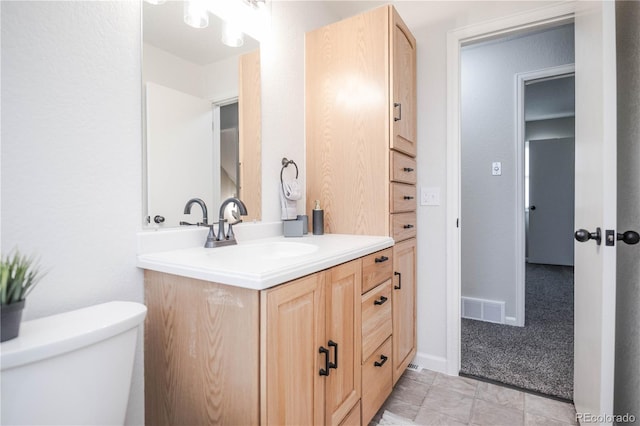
[{"x": 262, "y": 263}]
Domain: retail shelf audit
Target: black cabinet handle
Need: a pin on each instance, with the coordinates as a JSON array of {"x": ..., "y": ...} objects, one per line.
[
  {"x": 381, "y": 259},
  {"x": 399, "y": 106},
  {"x": 333, "y": 345},
  {"x": 325, "y": 371},
  {"x": 408, "y": 197},
  {"x": 407, "y": 169},
  {"x": 381, "y": 301},
  {"x": 408, "y": 226},
  {"x": 380, "y": 363},
  {"x": 399, "y": 286}
]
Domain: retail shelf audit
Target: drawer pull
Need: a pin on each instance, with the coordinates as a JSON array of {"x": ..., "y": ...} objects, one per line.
[
  {"x": 399, "y": 286},
  {"x": 399, "y": 106},
  {"x": 408, "y": 226},
  {"x": 335, "y": 354},
  {"x": 380, "y": 363},
  {"x": 381, "y": 301},
  {"x": 407, "y": 169},
  {"x": 324, "y": 371},
  {"x": 381, "y": 259},
  {"x": 408, "y": 197}
]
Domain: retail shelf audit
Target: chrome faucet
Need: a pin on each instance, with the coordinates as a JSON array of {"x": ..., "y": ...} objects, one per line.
[
  {"x": 203, "y": 206},
  {"x": 225, "y": 238}
]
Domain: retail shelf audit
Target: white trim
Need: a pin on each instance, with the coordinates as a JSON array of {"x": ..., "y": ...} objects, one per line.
[
  {"x": 554, "y": 14},
  {"x": 521, "y": 80},
  {"x": 510, "y": 321},
  {"x": 433, "y": 363}
]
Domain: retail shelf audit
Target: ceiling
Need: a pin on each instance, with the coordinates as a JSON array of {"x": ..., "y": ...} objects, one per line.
[
  {"x": 164, "y": 28},
  {"x": 420, "y": 13}
]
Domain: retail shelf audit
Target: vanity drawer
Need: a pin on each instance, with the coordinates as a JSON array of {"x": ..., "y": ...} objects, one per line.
[
  {"x": 403, "y": 226},
  {"x": 377, "y": 381},
  {"x": 377, "y": 323},
  {"x": 403, "y": 197},
  {"x": 376, "y": 268},
  {"x": 403, "y": 168}
]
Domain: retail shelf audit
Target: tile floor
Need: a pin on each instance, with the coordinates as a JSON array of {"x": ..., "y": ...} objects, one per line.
[{"x": 430, "y": 398}]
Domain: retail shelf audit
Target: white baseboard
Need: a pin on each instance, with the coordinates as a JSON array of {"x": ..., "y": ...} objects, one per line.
[{"x": 430, "y": 362}]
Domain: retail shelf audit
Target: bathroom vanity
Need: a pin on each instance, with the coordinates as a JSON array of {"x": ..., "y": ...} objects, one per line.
[{"x": 303, "y": 336}]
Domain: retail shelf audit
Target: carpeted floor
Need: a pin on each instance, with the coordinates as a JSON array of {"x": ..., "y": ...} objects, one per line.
[{"x": 539, "y": 356}]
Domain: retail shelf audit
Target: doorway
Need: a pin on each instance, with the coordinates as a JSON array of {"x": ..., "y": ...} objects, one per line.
[{"x": 517, "y": 325}]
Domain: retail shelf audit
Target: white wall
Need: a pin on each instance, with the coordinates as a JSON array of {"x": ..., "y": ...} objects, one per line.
[
  {"x": 71, "y": 153},
  {"x": 171, "y": 71},
  {"x": 627, "y": 375},
  {"x": 282, "y": 61},
  {"x": 488, "y": 134}
]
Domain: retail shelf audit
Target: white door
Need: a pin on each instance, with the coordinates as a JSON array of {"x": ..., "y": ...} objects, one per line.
[
  {"x": 180, "y": 153},
  {"x": 551, "y": 196},
  {"x": 595, "y": 206}
]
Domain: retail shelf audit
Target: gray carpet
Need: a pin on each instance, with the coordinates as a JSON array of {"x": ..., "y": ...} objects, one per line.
[{"x": 537, "y": 357}]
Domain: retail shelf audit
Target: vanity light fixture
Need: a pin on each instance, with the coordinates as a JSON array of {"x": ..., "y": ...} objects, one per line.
[
  {"x": 196, "y": 14},
  {"x": 231, "y": 35}
]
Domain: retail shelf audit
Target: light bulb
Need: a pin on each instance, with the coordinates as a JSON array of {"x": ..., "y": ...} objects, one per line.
[{"x": 196, "y": 14}]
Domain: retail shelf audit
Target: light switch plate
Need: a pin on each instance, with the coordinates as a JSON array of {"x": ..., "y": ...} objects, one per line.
[
  {"x": 496, "y": 168},
  {"x": 429, "y": 196}
]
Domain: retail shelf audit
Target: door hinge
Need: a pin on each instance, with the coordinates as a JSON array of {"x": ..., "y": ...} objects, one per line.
[{"x": 458, "y": 223}]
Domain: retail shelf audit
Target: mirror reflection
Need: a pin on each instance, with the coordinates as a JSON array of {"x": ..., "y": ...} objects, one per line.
[{"x": 202, "y": 115}]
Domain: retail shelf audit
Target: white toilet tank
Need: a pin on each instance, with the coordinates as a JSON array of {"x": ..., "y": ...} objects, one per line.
[{"x": 72, "y": 368}]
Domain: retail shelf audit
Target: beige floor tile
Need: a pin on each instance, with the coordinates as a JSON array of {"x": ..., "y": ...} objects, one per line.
[
  {"x": 535, "y": 420},
  {"x": 427, "y": 417},
  {"x": 424, "y": 376},
  {"x": 458, "y": 384},
  {"x": 451, "y": 403},
  {"x": 504, "y": 396},
  {"x": 401, "y": 408},
  {"x": 492, "y": 414},
  {"x": 550, "y": 408},
  {"x": 410, "y": 391}
]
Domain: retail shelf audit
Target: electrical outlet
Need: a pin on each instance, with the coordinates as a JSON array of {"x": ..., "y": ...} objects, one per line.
[{"x": 429, "y": 196}]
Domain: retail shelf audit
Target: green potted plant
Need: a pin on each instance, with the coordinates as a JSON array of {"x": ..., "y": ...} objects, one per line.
[{"x": 19, "y": 274}]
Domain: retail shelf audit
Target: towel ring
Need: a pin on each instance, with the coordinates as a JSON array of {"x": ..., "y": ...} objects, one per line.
[{"x": 285, "y": 164}]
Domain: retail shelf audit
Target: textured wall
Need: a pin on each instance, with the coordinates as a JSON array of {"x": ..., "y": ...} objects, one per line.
[
  {"x": 71, "y": 153},
  {"x": 627, "y": 376},
  {"x": 487, "y": 135}
]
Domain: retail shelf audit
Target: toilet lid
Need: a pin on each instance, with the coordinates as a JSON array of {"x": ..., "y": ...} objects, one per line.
[{"x": 57, "y": 334}]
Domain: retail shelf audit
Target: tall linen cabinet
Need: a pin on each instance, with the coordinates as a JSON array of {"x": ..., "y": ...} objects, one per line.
[{"x": 361, "y": 146}]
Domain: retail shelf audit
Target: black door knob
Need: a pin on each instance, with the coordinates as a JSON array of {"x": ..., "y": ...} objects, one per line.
[
  {"x": 158, "y": 219},
  {"x": 582, "y": 235},
  {"x": 532, "y": 208},
  {"x": 629, "y": 237}
]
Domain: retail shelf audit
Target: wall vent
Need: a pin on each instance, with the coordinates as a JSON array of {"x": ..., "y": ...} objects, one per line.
[{"x": 483, "y": 310}]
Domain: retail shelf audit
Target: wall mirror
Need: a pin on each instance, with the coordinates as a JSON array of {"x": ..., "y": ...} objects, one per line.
[{"x": 201, "y": 115}]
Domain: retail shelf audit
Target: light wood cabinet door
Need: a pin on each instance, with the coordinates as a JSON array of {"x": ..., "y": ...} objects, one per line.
[
  {"x": 292, "y": 331},
  {"x": 403, "y": 76},
  {"x": 343, "y": 334},
  {"x": 198, "y": 368},
  {"x": 404, "y": 306}
]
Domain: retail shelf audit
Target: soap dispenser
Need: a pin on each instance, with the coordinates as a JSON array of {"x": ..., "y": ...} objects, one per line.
[{"x": 318, "y": 219}]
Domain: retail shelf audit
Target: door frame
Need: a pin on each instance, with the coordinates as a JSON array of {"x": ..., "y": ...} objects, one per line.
[
  {"x": 548, "y": 16},
  {"x": 521, "y": 80}
]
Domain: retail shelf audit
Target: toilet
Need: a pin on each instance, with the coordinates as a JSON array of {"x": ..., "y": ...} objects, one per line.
[{"x": 72, "y": 368}]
